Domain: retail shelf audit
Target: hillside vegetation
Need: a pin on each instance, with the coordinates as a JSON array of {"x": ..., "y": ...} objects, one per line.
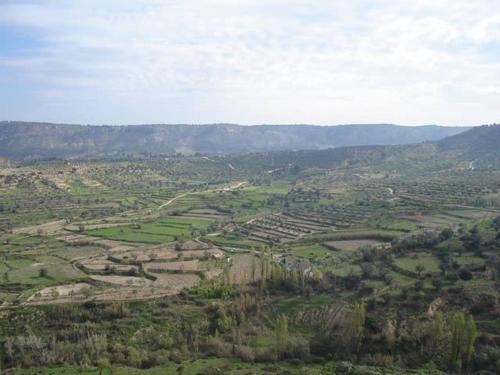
[{"x": 21, "y": 140}]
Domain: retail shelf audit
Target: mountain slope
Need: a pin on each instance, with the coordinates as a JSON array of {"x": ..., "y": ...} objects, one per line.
[
  {"x": 475, "y": 148},
  {"x": 482, "y": 140},
  {"x": 21, "y": 140}
]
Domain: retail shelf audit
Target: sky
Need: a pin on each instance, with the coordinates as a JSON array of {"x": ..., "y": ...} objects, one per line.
[{"x": 407, "y": 62}]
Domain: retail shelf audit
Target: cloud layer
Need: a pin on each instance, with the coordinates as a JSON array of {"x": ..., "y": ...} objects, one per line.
[{"x": 270, "y": 61}]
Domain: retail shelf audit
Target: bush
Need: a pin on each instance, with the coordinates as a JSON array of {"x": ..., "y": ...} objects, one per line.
[
  {"x": 42, "y": 272},
  {"x": 465, "y": 274}
]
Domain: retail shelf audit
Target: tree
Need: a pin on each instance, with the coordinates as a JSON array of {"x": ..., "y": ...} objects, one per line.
[
  {"x": 445, "y": 234},
  {"x": 282, "y": 332},
  {"x": 469, "y": 339},
  {"x": 358, "y": 324},
  {"x": 42, "y": 272},
  {"x": 457, "y": 336},
  {"x": 102, "y": 364},
  {"x": 254, "y": 267},
  {"x": 420, "y": 268},
  {"x": 437, "y": 330}
]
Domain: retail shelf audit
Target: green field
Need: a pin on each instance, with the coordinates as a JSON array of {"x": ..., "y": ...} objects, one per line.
[
  {"x": 312, "y": 251},
  {"x": 161, "y": 231},
  {"x": 231, "y": 240},
  {"x": 410, "y": 263}
]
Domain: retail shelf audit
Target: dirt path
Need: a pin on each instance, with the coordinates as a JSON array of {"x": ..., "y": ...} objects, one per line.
[
  {"x": 239, "y": 184},
  {"x": 172, "y": 200}
]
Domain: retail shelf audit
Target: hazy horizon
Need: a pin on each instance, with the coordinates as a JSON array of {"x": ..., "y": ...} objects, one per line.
[{"x": 238, "y": 124}]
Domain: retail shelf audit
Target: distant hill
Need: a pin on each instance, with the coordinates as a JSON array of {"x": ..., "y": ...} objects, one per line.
[
  {"x": 25, "y": 141},
  {"x": 481, "y": 140},
  {"x": 476, "y": 148}
]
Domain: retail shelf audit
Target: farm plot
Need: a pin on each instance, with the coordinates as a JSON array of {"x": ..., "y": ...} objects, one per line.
[
  {"x": 41, "y": 272},
  {"x": 418, "y": 261},
  {"x": 103, "y": 265},
  {"x": 176, "y": 266},
  {"x": 312, "y": 251},
  {"x": 351, "y": 245},
  {"x": 122, "y": 280},
  {"x": 78, "y": 252},
  {"x": 144, "y": 255},
  {"x": 61, "y": 293},
  {"x": 203, "y": 254},
  {"x": 130, "y": 234},
  {"x": 187, "y": 222},
  {"x": 52, "y": 227},
  {"x": 164, "y": 230},
  {"x": 284, "y": 227},
  {"x": 231, "y": 240},
  {"x": 174, "y": 283},
  {"x": 205, "y": 214}
]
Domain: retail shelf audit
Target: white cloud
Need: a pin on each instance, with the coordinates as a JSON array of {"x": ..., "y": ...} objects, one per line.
[{"x": 254, "y": 62}]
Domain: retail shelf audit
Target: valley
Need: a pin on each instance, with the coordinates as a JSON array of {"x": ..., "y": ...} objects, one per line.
[{"x": 364, "y": 260}]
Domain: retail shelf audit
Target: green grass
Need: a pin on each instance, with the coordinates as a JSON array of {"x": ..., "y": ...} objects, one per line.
[
  {"x": 290, "y": 304},
  {"x": 186, "y": 221},
  {"x": 130, "y": 234},
  {"x": 199, "y": 366},
  {"x": 410, "y": 263},
  {"x": 26, "y": 271},
  {"x": 469, "y": 259},
  {"x": 312, "y": 251},
  {"x": 231, "y": 240},
  {"x": 163, "y": 231}
]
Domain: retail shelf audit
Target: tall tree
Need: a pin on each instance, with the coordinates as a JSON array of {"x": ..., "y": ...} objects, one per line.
[
  {"x": 469, "y": 339},
  {"x": 282, "y": 332},
  {"x": 457, "y": 336},
  {"x": 358, "y": 324}
]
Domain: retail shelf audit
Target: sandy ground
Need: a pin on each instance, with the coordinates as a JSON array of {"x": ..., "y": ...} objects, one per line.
[
  {"x": 50, "y": 228},
  {"x": 59, "y": 292}
]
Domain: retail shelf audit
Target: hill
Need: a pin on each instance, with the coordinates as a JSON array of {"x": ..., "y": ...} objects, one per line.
[
  {"x": 482, "y": 140},
  {"x": 22, "y": 140},
  {"x": 472, "y": 149}
]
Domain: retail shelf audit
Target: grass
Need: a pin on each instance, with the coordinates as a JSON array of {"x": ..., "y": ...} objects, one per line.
[
  {"x": 312, "y": 251},
  {"x": 232, "y": 240},
  {"x": 410, "y": 263},
  {"x": 351, "y": 245},
  {"x": 27, "y": 271},
  {"x": 216, "y": 366},
  {"x": 186, "y": 221},
  {"x": 159, "y": 232},
  {"x": 199, "y": 366},
  {"x": 469, "y": 259},
  {"x": 288, "y": 305}
]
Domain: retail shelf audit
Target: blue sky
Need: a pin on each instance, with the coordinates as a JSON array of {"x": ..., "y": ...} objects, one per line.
[{"x": 250, "y": 62}]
